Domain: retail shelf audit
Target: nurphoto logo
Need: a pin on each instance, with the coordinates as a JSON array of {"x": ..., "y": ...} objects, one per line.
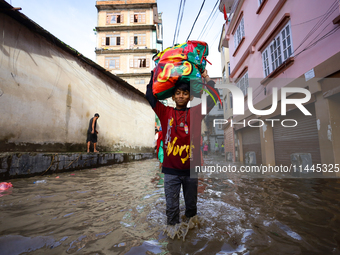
[{"x": 238, "y": 105}]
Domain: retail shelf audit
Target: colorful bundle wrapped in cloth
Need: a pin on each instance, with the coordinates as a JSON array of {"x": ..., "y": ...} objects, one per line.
[{"x": 182, "y": 63}]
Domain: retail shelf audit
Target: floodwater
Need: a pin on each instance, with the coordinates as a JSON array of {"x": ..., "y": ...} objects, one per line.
[{"x": 120, "y": 209}]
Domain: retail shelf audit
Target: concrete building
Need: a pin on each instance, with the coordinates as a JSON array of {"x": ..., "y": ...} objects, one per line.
[
  {"x": 49, "y": 92},
  {"x": 230, "y": 147},
  {"x": 274, "y": 46},
  {"x": 212, "y": 134},
  {"x": 129, "y": 33}
]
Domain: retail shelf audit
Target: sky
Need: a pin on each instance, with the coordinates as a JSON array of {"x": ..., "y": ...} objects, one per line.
[{"x": 73, "y": 21}]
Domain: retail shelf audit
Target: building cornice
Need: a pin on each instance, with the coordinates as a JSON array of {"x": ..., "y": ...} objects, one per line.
[
  {"x": 104, "y": 7},
  {"x": 122, "y": 51},
  {"x": 127, "y": 75},
  {"x": 125, "y": 28}
]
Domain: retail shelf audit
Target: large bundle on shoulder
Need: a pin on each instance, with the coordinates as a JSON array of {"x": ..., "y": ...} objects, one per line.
[{"x": 182, "y": 63}]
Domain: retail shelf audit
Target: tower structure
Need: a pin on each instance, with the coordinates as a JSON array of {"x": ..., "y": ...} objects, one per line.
[{"x": 129, "y": 33}]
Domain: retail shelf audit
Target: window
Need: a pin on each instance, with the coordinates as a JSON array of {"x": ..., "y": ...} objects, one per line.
[
  {"x": 226, "y": 102},
  {"x": 114, "y": 18},
  {"x": 260, "y": 2},
  {"x": 220, "y": 107},
  {"x": 139, "y": 81},
  {"x": 113, "y": 40},
  {"x": 231, "y": 101},
  {"x": 239, "y": 34},
  {"x": 138, "y": 39},
  {"x": 137, "y": 17},
  {"x": 243, "y": 83},
  {"x": 139, "y": 62},
  {"x": 112, "y": 62},
  {"x": 224, "y": 75},
  {"x": 279, "y": 50}
]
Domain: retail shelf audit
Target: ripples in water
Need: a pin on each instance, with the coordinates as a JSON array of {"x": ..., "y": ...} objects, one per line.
[{"x": 121, "y": 210}]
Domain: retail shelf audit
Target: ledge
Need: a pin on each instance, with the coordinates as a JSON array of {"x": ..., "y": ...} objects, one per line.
[
  {"x": 111, "y": 5},
  {"x": 124, "y": 75},
  {"x": 287, "y": 63},
  {"x": 238, "y": 46},
  {"x": 125, "y": 28},
  {"x": 261, "y": 6},
  {"x": 113, "y": 51},
  {"x": 18, "y": 165},
  {"x": 275, "y": 31},
  {"x": 336, "y": 20}
]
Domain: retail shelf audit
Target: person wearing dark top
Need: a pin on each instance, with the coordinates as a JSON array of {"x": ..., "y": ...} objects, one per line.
[
  {"x": 92, "y": 133},
  {"x": 181, "y": 138}
]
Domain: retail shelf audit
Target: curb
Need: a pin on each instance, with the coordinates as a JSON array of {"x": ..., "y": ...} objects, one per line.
[{"x": 19, "y": 165}]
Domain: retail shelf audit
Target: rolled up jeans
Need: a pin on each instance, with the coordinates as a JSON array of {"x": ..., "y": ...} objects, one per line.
[{"x": 172, "y": 188}]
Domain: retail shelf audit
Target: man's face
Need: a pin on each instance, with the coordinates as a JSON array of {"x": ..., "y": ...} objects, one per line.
[{"x": 181, "y": 98}]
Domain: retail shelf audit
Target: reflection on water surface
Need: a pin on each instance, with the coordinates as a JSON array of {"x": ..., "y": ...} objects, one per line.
[{"x": 120, "y": 209}]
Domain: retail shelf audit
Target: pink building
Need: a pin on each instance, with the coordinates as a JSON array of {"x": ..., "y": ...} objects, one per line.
[{"x": 280, "y": 44}]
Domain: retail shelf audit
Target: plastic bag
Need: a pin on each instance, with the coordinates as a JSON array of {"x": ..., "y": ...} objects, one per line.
[
  {"x": 181, "y": 63},
  {"x": 5, "y": 185}
]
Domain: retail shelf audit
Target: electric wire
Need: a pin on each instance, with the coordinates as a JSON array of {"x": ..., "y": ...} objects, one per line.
[
  {"x": 307, "y": 21},
  {"x": 179, "y": 11},
  {"x": 320, "y": 39},
  {"x": 311, "y": 44},
  {"x": 208, "y": 19},
  {"x": 196, "y": 19},
  {"x": 330, "y": 10},
  {"x": 180, "y": 22},
  {"x": 213, "y": 19},
  {"x": 307, "y": 48}
]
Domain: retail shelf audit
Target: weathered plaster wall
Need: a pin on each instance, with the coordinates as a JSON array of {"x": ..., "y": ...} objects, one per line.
[{"x": 47, "y": 97}]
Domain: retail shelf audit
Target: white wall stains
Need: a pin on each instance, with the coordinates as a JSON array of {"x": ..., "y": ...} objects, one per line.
[
  {"x": 264, "y": 129},
  {"x": 329, "y": 133},
  {"x": 318, "y": 123}
]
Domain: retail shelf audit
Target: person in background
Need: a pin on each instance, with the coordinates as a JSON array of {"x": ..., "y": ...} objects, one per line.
[
  {"x": 216, "y": 147},
  {"x": 92, "y": 133},
  {"x": 205, "y": 149}
]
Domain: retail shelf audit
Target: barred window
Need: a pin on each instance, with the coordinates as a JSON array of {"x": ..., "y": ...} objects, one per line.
[
  {"x": 112, "y": 62},
  {"x": 113, "y": 40},
  {"x": 140, "y": 81},
  {"x": 138, "y": 39},
  {"x": 114, "y": 18},
  {"x": 243, "y": 83},
  {"x": 139, "y": 62},
  {"x": 137, "y": 17},
  {"x": 239, "y": 34},
  {"x": 279, "y": 50}
]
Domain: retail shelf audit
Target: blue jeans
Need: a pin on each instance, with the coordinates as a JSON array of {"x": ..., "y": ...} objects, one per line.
[{"x": 172, "y": 187}]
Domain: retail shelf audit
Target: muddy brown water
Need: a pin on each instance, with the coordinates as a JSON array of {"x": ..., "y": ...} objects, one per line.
[{"x": 120, "y": 209}]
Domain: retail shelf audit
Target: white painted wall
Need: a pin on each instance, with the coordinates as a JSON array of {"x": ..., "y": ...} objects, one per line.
[{"x": 48, "y": 97}]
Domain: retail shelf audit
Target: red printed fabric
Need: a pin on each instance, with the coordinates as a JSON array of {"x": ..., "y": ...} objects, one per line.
[
  {"x": 181, "y": 149},
  {"x": 183, "y": 63}
]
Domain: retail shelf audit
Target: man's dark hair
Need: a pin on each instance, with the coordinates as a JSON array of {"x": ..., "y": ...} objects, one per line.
[
  {"x": 181, "y": 86},
  {"x": 96, "y": 115}
]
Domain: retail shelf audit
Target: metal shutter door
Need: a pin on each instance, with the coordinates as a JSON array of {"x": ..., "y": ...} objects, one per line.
[
  {"x": 300, "y": 139},
  {"x": 251, "y": 142}
]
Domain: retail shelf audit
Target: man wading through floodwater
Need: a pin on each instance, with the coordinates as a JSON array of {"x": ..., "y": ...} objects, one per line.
[{"x": 181, "y": 136}]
